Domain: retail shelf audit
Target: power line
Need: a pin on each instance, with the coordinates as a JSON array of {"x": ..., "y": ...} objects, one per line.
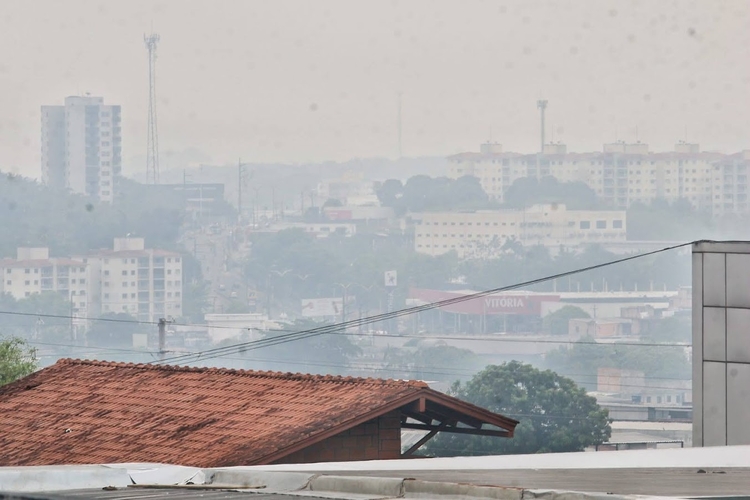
[
  {"x": 291, "y": 337},
  {"x": 337, "y": 328},
  {"x": 382, "y": 317},
  {"x": 357, "y": 365}
]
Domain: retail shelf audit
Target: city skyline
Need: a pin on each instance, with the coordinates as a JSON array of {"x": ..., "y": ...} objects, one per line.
[{"x": 275, "y": 83}]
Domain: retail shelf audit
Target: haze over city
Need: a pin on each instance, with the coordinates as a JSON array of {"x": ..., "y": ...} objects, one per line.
[
  {"x": 329, "y": 235},
  {"x": 315, "y": 81}
]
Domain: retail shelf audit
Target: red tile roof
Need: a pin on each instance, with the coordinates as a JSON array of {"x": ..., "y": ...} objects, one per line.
[{"x": 78, "y": 412}]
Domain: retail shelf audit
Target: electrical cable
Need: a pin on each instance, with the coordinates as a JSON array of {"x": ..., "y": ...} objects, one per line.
[{"x": 291, "y": 337}]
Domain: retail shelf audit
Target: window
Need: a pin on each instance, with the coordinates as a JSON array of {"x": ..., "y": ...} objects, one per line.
[
  {"x": 106, "y": 295},
  {"x": 9, "y": 282},
  {"x": 27, "y": 271},
  {"x": 601, "y": 224},
  {"x": 124, "y": 295},
  {"x": 124, "y": 273},
  {"x": 585, "y": 224},
  {"x": 106, "y": 273},
  {"x": 26, "y": 283},
  {"x": 617, "y": 224}
]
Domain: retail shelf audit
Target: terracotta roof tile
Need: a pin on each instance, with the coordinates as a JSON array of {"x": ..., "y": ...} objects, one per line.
[{"x": 77, "y": 412}]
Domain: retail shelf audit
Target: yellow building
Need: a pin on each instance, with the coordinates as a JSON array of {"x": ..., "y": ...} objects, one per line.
[{"x": 483, "y": 233}]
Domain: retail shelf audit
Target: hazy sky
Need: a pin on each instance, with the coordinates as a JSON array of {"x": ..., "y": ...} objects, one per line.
[{"x": 312, "y": 80}]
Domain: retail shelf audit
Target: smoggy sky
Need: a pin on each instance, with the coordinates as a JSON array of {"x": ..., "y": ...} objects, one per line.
[{"x": 298, "y": 81}]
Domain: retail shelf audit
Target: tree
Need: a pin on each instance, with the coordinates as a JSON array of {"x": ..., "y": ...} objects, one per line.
[
  {"x": 555, "y": 414},
  {"x": 557, "y": 322},
  {"x": 430, "y": 360},
  {"x": 584, "y": 358},
  {"x": 116, "y": 329},
  {"x": 325, "y": 353},
  {"x": 528, "y": 191},
  {"x": 17, "y": 359},
  {"x": 332, "y": 202}
]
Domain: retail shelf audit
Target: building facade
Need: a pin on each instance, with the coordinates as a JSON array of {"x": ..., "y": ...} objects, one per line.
[
  {"x": 484, "y": 233},
  {"x": 621, "y": 175},
  {"x": 143, "y": 282},
  {"x": 82, "y": 146},
  {"x": 721, "y": 343},
  {"x": 33, "y": 271}
]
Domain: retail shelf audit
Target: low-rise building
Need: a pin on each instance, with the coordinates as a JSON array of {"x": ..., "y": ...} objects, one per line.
[
  {"x": 483, "y": 233},
  {"x": 603, "y": 328},
  {"x": 103, "y": 412}
]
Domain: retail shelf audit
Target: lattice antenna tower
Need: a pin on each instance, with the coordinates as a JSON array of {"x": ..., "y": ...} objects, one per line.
[{"x": 152, "y": 140}]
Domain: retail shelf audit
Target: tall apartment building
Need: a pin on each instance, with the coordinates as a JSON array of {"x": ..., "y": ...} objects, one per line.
[
  {"x": 82, "y": 146},
  {"x": 34, "y": 271},
  {"x": 622, "y": 174},
  {"x": 143, "y": 282},
  {"x": 483, "y": 233}
]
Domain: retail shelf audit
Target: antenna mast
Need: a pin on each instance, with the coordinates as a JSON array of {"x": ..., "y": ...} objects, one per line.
[
  {"x": 542, "y": 105},
  {"x": 152, "y": 141},
  {"x": 399, "y": 126}
]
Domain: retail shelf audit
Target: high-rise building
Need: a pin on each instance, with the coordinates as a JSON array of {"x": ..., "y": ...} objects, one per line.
[{"x": 82, "y": 146}]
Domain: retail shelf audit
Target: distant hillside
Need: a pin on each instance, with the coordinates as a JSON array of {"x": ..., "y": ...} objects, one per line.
[{"x": 32, "y": 214}]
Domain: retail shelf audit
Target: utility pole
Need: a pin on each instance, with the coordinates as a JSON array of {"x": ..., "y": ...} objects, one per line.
[
  {"x": 162, "y": 338},
  {"x": 241, "y": 178},
  {"x": 542, "y": 105},
  {"x": 239, "y": 191}
]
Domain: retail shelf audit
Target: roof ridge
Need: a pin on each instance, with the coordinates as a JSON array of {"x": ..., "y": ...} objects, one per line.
[{"x": 248, "y": 373}]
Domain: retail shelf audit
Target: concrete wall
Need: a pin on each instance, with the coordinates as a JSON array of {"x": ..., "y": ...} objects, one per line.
[
  {"x": 377, "y": 439},
  {"x": 721, "y": 343}
]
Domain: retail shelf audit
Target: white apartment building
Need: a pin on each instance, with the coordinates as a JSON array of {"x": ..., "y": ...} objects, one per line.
[
  {"x": 483, "y": 233},
  {"x": 143, "y": 282},
  {"x": 33, "y": 271},
  {"x": 82, "y": 146},
  {"x": 621, "y": 175}
]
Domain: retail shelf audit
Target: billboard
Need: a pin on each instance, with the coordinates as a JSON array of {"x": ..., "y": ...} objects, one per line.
[
  {"x": 320, "y": 308},
  {"x": 521, "y": 303}
]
